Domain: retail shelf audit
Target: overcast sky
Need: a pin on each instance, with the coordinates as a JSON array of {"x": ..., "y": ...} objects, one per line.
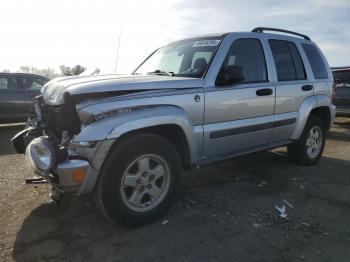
[{"x": 49, "y": 33}]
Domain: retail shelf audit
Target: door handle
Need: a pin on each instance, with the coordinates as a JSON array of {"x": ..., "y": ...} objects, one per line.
[
  {"x": 264, "y": 92},
  {"x": 307, "y": 87}
]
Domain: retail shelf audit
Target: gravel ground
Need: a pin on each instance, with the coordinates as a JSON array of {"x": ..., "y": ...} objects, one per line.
[{"x": 225, "y": 212}]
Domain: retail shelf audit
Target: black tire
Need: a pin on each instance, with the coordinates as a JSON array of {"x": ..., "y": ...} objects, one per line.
[
  {"x": 108, "y": 191},
  {"x": 297, "y": 151}
]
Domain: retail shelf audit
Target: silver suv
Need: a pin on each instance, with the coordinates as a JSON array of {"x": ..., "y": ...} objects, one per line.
[{"x": 190, "y": 103}]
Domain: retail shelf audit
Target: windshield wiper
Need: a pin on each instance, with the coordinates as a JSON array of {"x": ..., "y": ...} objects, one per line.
[{"x": 159, "y": 72}]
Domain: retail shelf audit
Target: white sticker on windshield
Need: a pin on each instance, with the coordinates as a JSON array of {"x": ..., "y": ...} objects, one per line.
[{"x": 214, "y": 42}]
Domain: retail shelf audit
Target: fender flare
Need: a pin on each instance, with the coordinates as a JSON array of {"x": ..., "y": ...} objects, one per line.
[
  {"x": 114, "y": 127},
  {"x": 305, "y": 109}
]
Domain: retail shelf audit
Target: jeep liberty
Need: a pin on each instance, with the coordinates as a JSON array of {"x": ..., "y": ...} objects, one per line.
[{"x": 126, "y": 139}]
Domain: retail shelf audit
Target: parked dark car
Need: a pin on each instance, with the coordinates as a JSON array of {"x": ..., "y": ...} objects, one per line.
[
  {"x": 17, "y": 95},
  {"x": 341, "y": 77}
]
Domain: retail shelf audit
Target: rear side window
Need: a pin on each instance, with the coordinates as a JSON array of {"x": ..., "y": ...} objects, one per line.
[
  {"x": 248, "y": 54},
  {"x": 3, "y": 83},
  {"x": 318, "y": 67},
  {"x": 289, "y": 65},
  {"x": 10, "y": 83}
]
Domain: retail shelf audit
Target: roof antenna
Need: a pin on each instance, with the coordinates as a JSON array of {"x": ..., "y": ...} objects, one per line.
[{"x": 116, "y": 59}]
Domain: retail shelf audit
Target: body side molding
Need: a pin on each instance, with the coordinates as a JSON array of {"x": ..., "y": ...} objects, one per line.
[{"x": 253, "y": 128}]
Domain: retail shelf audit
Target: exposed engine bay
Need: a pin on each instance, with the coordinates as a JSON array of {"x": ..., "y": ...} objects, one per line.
[{"x": 60, "y": 123}]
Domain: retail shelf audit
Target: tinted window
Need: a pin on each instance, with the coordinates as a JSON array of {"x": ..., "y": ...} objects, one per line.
[
  {"x": 289, "y": 65},
  {"x": 248, "y": 54},
  {"x": 3, "y": 83},
  {"x": 9, "y": 83},
  {"x": 298, "y": 63},
  {"x": 316, "y": 62},
  {"x": 32, "y": 83},
  {"x": 342, "y": 76}
]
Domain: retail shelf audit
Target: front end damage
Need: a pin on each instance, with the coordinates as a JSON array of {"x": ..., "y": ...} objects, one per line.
[
  {"x": 49, "y": 150},
  {"x": 78, "y": 119}
]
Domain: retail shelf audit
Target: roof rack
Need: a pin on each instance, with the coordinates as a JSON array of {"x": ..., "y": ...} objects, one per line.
[{"x": 262, "y": 29}]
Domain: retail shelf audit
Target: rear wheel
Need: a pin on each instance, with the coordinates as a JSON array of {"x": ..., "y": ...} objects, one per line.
[
  {"x": 139, "y": 180},
  {"x": 309, "y": 148}
]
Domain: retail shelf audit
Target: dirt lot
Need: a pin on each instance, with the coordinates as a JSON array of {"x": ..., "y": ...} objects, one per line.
[{"x": 226, "y": 212}]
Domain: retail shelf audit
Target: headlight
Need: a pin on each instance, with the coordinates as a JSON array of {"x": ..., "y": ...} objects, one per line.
[{"x": 40, "y": 154}]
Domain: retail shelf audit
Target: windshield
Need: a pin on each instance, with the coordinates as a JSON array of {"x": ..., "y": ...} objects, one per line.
[{"x": 186, "y": 58}]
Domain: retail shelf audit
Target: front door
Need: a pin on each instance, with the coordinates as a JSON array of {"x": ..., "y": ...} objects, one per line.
[{"x": 239, "y": 117}]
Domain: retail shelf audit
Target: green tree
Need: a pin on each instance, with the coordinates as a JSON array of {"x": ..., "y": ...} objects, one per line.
[{"x": 76, "y": 70}]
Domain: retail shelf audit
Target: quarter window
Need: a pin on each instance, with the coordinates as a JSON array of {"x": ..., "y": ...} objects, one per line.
[
  {"x": 289, "y": 65},
  {"x": 248, "y": 54},
  {"x": 317, "y": 65}
]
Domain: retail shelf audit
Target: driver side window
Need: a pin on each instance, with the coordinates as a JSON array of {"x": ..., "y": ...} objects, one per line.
[{"x": 248, "y": 54}]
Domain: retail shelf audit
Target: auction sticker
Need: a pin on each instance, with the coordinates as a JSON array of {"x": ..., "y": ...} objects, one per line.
[{"x": 213, "y": 42}]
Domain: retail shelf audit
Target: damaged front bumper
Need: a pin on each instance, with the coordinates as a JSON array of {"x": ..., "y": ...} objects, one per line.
[
  {"x": 52, "y": 156},
  {"x": 66, "y": 171},
  {"x": 71, "y": 174}
]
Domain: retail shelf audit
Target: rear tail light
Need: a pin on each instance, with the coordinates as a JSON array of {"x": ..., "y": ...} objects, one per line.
[{"x": 334, "y": 91}]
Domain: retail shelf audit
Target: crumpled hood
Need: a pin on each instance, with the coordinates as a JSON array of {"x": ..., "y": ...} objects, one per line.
[{"x": 53, "y": 92}]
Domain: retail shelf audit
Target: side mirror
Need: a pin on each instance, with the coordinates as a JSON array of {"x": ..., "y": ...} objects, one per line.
[{"x": 230, "y": 75}]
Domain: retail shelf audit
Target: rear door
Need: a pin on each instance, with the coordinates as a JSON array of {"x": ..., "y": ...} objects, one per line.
[
  {"x": 13, "y": 99},
  {"x": 292, "y": 87}
]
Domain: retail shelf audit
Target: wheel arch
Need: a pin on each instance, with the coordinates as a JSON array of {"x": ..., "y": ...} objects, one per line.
[
  {"x": 319, "y": 105},
  {"x": 324, "y": 113},
  {"x": 167, "y": 121},
  {"x": 171, "y": 132}
]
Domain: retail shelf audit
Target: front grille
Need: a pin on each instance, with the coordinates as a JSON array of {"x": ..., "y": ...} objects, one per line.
[{"x": 56, "y": 119}]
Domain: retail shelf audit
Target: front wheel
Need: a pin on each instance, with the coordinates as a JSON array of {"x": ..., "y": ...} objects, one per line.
[
  {"x": 309, "y": 148},
  {"x": 139, "y": 180}
]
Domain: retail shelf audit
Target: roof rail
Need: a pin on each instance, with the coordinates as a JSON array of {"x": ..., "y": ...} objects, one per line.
[{"x": 262, "y": 29}]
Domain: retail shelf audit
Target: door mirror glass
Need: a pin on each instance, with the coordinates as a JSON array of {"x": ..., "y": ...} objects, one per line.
[{"x": 231, "y": 74}]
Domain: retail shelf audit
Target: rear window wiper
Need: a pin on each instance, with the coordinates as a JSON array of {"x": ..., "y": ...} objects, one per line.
[{"x": 160, "y": 72}]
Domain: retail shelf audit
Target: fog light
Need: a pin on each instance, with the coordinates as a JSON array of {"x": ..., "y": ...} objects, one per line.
[{"x": 79, "y": 175}]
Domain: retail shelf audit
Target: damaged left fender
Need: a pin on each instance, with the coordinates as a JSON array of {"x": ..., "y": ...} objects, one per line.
[{"x": 107, "y": 131}]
